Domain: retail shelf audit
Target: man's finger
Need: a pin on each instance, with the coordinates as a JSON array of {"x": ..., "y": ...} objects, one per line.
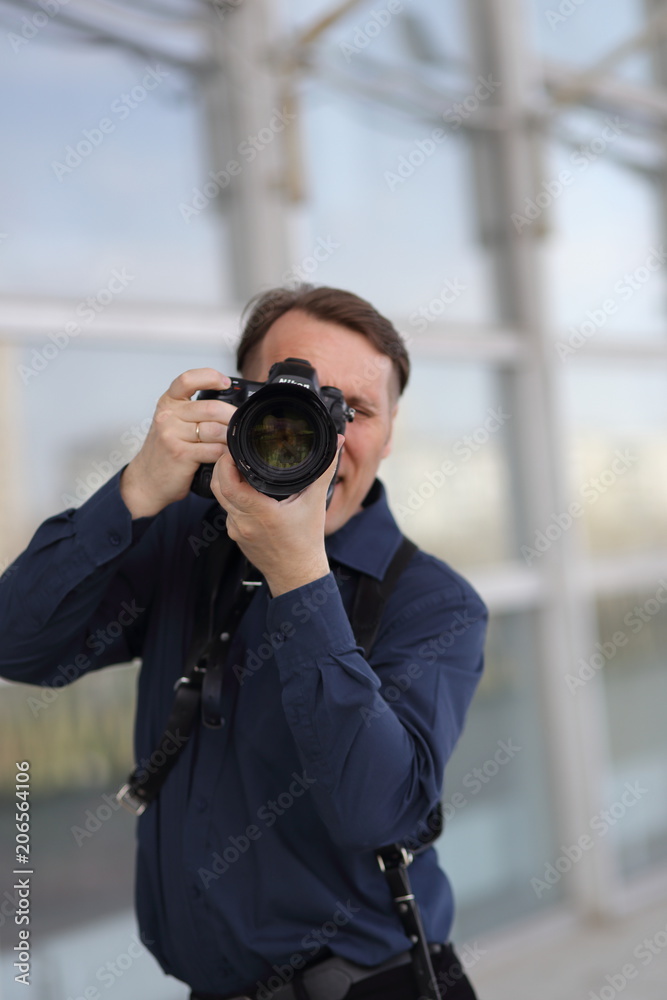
[
  {"x": 194, "y": 379},
  {"x": 207, "y": 432},
  {"x": 227, "y": 479},
  {"x": 333, "y": 468},
  {"x": 206, "y": 409},
  {"x": 322, "y": 482}
]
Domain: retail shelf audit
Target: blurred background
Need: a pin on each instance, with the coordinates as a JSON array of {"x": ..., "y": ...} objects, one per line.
[{"x": 491, "y": 174}]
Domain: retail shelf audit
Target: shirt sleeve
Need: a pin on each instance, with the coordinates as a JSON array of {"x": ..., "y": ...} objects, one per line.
[
  {"x": 77, "y": 598},
  {"x": 376, "y": 735}
]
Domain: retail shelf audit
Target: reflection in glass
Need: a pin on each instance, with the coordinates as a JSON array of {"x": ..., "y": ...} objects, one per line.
[
  {"x": 86, "y": 415},
  {"x": 633, "y": 637},
  {"x": 79, "y": 742},
  {"x": 618, "y": 454},
  {"x": 430, "y": 40},
  {"x": 113, "y": 203},
  {"x": 604, "y": 252},
  {"x": 283, "y": 438},
  {"x": 501, "y": 832},
  {"x": 583, "y": 33},
  {"x": 355, "y": 155},
  {"x": 448, "y": 476},
  {"x": 370, "y": 109}
]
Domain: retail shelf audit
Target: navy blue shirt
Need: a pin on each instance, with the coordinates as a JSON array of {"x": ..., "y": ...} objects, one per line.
[{"x": 258, "y": 854}]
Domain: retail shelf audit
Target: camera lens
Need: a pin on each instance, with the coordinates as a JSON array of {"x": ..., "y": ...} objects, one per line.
[
  {"x": 282, "y": 436},
  {"x": 284, "y": 433},
  {"x": 282, "y": 439}
]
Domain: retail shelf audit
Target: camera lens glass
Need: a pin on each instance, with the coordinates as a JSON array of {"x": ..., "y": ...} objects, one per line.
[
  {"x": 282, "y": 438},
  {"x": 282, "y": 435}
]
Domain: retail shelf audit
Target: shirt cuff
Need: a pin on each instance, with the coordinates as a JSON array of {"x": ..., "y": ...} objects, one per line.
[{"x": 104, "y": 525}]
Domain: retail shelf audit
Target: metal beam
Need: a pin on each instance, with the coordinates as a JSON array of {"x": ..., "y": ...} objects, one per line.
[
  {"x": 582, "y": 81},
  {"x": 607, "y": 93},
  {"x": 32, "y": 320}
]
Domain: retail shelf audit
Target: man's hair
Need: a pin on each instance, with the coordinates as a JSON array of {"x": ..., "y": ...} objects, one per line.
[{"x": 332, "y": 305}]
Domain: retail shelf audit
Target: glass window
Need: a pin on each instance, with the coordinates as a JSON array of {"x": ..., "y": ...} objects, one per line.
[
  {"x": 78, "y": 741},
  {"x": 618, "y": 454},
  {"x": 500, "y": 830},
  {"x": 429, "y": 39},
  {"x": 104, "y": 146},
  {"x": 604, "y": 217},
  {"x": 362, "y": 184},
  {"x": 582, "y": 32},
  {"x": 80, "y": 734},
  {"x": 85, "y": 415},
  {"x": 356, "y": 155},
  {"x": 448, "y": 475},
  {"x": 383, "y": 148},
  {"x": 631, "y": 662}
]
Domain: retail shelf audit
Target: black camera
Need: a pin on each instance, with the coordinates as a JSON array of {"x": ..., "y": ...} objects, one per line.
[{"x": 284, "y": 433}]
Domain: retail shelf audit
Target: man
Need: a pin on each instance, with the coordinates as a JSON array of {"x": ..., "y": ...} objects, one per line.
[{"x": 257, "y": 860}]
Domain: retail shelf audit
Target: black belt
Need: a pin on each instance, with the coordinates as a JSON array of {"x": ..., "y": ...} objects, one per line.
[{"x": 331, "y": 979}]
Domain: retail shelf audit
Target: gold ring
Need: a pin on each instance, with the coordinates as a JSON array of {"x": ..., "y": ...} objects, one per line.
[{"x": 197, "y": 433}]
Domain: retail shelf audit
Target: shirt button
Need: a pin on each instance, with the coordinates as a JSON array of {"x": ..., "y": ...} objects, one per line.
[
  {"x": 114, "y": 538},
  {"x": 201, "y": 804}
]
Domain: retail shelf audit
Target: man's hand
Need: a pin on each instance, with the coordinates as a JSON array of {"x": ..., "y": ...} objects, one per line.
[
  {"x": 283, "y": 539},
  {"x": 162, "y": 470}
]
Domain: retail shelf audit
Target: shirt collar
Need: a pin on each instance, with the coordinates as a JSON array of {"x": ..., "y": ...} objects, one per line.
[{"x": 367, "y": 542}]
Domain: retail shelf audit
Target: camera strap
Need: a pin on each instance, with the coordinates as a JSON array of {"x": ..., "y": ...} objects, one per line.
[
  {"x": 394, "y": 861},
  {"x": 199, "y": 689}
]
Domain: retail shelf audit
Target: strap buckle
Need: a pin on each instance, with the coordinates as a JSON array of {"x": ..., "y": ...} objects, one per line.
[
  {"x": 131, "y": 801},
  {"x": 191, "y": 680},
  {"x": 396, "y": 856}
]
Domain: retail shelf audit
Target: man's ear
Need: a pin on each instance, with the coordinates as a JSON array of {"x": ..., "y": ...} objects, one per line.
[{"x": 388, "y": 443}]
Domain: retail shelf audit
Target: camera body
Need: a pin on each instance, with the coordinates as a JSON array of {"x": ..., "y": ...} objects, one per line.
[{"x": 283, "y": 435}]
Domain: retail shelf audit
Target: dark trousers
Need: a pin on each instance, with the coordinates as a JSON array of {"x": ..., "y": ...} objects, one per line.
[{"x": 399, "y": 983}]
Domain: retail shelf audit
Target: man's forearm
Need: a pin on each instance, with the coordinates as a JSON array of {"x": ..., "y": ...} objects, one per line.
[{"x": 62, "y": 589}]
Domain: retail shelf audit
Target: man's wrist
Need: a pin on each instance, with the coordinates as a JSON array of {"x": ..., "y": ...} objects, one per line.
[
  {"x": 292, "y": 577},
  {"x": 133, "y": 497}
]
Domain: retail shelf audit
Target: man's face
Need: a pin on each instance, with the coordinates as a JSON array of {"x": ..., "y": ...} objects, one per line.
[{"x": 347, "y": 360}]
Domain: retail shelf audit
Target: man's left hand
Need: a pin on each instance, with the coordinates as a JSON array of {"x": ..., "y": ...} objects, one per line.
[{"x": 283, "y": 539}]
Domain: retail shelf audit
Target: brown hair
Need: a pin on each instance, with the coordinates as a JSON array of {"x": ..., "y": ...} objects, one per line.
[{"x": 333, "y": 305}]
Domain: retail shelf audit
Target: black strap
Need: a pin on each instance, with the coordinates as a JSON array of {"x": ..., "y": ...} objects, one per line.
[
  {"x": 372, "y": 595},
  {"x": 146, "y": 779},
  {"x": 394, "y": 861},
  {"x": 201, "y": 683},
  {"x": 221, "y": 560},
  {"x": 240, "y": 582}
]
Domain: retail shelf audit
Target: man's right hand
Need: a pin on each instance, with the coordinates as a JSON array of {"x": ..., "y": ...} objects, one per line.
[{"x": 161, "y": 472}]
